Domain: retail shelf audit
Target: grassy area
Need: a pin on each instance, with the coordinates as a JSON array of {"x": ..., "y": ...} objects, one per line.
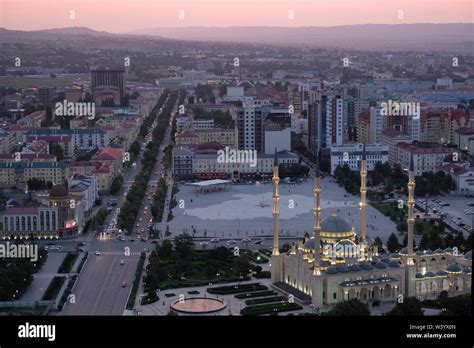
[
  {"x": 68, "y": 262},
  {"x": 220, "y": 265},
  {"x": 37, "y": 311},
  {"x": 265, "y": 300},
  {"x": 236, "y": 289},
  {"x": 67, "y": 292},
  {"x": 53, "y": 288},
  {"x": 136, "y": 282},
  {"x": 270, "y": 308},
  {"x": 256, "y": 294},
  {"x": 391, "y": 210}
]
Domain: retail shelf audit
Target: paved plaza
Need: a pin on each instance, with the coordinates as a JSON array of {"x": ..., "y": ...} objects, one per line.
[{"x": 246, "y": 210}]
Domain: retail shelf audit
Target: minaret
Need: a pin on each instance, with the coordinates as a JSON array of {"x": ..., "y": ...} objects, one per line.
[
  {"x": 317, "y": 218},
  {"x": 317, "y": 278},
  {"x": 411, "y": 204},
  {"x": 277, "y": 259},
  {"x": 276, "y": 208},
  {"x": 363, "y": 202},
  {"x": 410, "y": 265}
]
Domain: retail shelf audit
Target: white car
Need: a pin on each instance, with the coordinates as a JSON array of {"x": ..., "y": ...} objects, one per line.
[
  {"x": 246, "y": 240},
  {"x": 215, "y": 240},
  {"x": 97, "y": 253},
  {"x": 231, "y": 241},
  {"x": 202, "y": 244},
  {"x": 122, "y": 262}
]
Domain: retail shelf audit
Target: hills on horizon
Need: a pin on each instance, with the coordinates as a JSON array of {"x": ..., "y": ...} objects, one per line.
[{"x": 423, "y": 36}]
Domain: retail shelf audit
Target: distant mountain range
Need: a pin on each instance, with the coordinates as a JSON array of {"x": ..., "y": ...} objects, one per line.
[
  {"x": 366, "y": 36},
  {"x": 452, "y": 36}
]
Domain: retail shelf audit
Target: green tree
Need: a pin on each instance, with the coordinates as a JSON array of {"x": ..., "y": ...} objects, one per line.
[
  {"x": 392, "y": 243},
  {"x": 425, "y": 241},
  {"x": 116, "y": 184},
  {"x": 410, "y": 306},
  {"x": 351, "y": 307}
]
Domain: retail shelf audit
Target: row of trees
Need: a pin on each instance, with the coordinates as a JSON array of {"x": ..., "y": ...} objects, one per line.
[
  {"x": 98, "y": 220},
  {"x": 430, "y": 240},
  {"x": 129, "y": 210},
  {"x": 158, "y": 205},
  {"x": 116, "y": 184}
]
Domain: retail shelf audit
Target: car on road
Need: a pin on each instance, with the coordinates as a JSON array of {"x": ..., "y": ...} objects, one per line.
[
  {"x": 471, "y": 204},
  {"x": 124, "y": 284},
  {"x": 97, "y": 253},
  {"x": 215, "y": 240},
  {"x": 231, "y": 241},
  {"x": 203, "y": 244},
  {"x": 246, "y": 240},
  {"x": 138, "y": 225},
  {"x": 122, "y": 239},
  {"x": 122, "y": 262},
  {"x": 258, "y": 242},
  {"x": 132, "y": 240}
]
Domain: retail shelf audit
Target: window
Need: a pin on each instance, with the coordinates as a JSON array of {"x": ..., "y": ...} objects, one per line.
[{"x": 334, "y": 296}]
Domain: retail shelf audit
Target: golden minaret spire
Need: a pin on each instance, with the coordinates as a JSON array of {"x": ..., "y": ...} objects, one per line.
[
  {"x": 363, "y": 193},
  {"x": 317, "y": 218},
  {"x": 276, "y": 209}
]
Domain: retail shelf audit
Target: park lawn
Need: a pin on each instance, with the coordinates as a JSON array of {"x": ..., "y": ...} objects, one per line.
[
  {"x": 198, "y": 273},
  {"x": 270, "y": 308}
]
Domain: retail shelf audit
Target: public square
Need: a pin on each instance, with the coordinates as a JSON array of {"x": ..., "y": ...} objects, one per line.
[{"x": 246, "y": 210}]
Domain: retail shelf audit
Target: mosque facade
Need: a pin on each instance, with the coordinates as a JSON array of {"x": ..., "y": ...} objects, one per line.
[{"x": 344, "y": 266}]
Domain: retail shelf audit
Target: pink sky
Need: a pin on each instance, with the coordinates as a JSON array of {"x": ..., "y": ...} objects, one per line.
[{"x": 128, "y": 15}]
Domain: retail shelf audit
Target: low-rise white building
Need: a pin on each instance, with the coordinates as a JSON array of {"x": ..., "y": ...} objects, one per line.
[{"x": 352, "y": 155}]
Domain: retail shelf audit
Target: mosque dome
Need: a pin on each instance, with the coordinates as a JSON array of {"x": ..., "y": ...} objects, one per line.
[
  {"x": 355, "y": 268},
  {"x": 331, "y": 270},
  {"x": 334, "y": 229},
  {"x": 393, "y": 264},
  {"x": 441, "y": 273},
  {"x": 343, "y": 269},
  {"x": 380, "y": 265},
  {"x": 429, "y": 275},
  {"x": 335, "y": 224},
  {"x": 455, "y": 268},
  {"x": 366, "y": 266}
]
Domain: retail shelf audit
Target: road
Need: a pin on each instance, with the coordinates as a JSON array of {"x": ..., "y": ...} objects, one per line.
[{"x": 99, "y": 290}]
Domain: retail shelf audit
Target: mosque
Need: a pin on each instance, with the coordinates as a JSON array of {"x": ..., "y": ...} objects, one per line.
[{"x": 336, "y": 264}]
